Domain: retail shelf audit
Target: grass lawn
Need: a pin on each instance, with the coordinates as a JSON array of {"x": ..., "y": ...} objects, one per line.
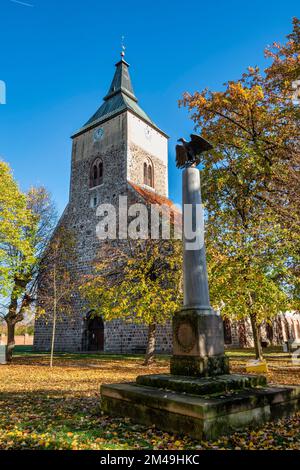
[{"x": 42, "y": 408}]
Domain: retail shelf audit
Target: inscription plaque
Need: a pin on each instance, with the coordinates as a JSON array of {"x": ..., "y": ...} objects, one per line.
[{"x": 186, "y": 336}]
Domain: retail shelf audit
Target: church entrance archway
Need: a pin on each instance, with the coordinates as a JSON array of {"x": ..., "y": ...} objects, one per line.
[{"x": 95, "y": 333}]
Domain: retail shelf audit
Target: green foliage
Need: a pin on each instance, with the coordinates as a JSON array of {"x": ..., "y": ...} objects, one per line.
[
  {"x": 23, "y": 329},
  {"x": 26, "y": 221},
  {"x": 138, "y": 282},
  {"x": 16, "y": 226}
]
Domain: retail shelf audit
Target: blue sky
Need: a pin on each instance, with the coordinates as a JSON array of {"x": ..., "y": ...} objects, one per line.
[{"x": 57, "y": 59}]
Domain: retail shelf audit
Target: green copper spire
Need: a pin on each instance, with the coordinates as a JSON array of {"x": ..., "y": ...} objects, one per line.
[
  {"x": 120, "y": 98},
  {"x": 121, "y": 82}
]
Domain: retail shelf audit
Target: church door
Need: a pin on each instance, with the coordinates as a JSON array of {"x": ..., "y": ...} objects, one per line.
[{"x": 95, "y": 334}]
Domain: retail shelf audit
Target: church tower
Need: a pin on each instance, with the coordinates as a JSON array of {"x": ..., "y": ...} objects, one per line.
[
  {"x": 119, "y": 144},
  {"x": 119, "y": 151}
]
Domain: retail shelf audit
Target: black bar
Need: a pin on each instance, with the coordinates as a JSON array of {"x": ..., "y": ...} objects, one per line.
[{"x": 136, "y": 459}]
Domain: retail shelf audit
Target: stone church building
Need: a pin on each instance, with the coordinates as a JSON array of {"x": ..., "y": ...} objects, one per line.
[{"x": 119, "y": 151}]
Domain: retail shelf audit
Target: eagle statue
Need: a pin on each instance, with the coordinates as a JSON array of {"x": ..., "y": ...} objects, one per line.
[{"x": 188, "y": 154}]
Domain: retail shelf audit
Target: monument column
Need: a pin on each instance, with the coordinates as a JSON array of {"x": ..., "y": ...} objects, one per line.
[
  {"x": 198, "y": 338},
  {"x": 181, "y": 401}
]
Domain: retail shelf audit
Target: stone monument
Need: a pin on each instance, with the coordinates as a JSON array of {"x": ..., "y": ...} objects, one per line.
[
  {"x": 198, "y": 338},
  {"x": 2, "y": 350},
  {"x": 199, "y": 397}
]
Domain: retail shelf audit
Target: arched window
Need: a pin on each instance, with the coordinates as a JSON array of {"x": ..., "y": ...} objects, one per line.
[
  {"x": 148, "y": 174},
  {"x": 293, "y": 329},
  {"x": 227, "y": 331},
  {"x": 270, "y": 332},
  {"x": 96, "y": 173},
  {"x": 287, "y": 330}
]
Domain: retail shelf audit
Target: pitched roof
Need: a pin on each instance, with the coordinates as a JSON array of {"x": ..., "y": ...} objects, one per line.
[
  {"x": 151, "y": 197},
  {"x": 120, "y": 98}
]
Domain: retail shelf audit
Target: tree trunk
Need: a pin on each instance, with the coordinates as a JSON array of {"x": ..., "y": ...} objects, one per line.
[
  {"x": 14, "y": 316},
  {"x": 53, "y": 339},
  {"x": 149, "y": 358},
  {"x": 54, "y": 317},
  {"x": 10, "y": 340},
  {"x": 11, "y": 320},
  {"x": 256, "y": 337}
]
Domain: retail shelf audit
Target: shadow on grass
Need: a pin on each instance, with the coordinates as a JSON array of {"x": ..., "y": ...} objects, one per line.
[
  {"x": 56, "y": 420},
  {"x": 236, "y": 352},
  {"x": 20, "y": 351}
]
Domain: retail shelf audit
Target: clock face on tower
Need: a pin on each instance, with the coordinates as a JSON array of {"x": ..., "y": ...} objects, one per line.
[
  {"x": 98, "y": 134},
  {"x": 148, "y": 133}
]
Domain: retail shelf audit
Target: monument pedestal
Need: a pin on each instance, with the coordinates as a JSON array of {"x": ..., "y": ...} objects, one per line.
[
  {"x": 199, "y": 397},
  {"x": 2, "y": 354},
  {"x": 201, "y": 408},
  {"x": 198, "y": 344},
  {"x": 196, "y": 366}
]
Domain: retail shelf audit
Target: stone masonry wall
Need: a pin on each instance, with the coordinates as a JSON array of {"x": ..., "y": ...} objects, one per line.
[
  {"x": 136, "y": 169},
  {"x": 80, "y": 216},
  {"x": 121, "y": 337}
]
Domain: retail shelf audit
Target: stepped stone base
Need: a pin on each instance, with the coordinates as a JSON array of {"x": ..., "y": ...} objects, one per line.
[
  {"x": 197, "y": 366},
  {"x": 203, "y": 408}
]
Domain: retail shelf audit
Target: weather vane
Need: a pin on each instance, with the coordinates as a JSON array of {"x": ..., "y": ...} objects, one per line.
[{"x": 123, "y": 46}]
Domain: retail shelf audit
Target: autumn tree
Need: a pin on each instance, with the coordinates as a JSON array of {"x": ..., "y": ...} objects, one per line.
[
  {"x": 251, "y": 239},
  {"x": 138, "y": 282},
  {"x": 57, "y": 280},
  {"x": 247, "y": 269},
  {"x": 284, "y": 72},
  {"x": 283, "y": 82},
  {"x": 26, "y": 221},
  {"x": 14, "y": 216},
  {"x": 16, "y": 251}
]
